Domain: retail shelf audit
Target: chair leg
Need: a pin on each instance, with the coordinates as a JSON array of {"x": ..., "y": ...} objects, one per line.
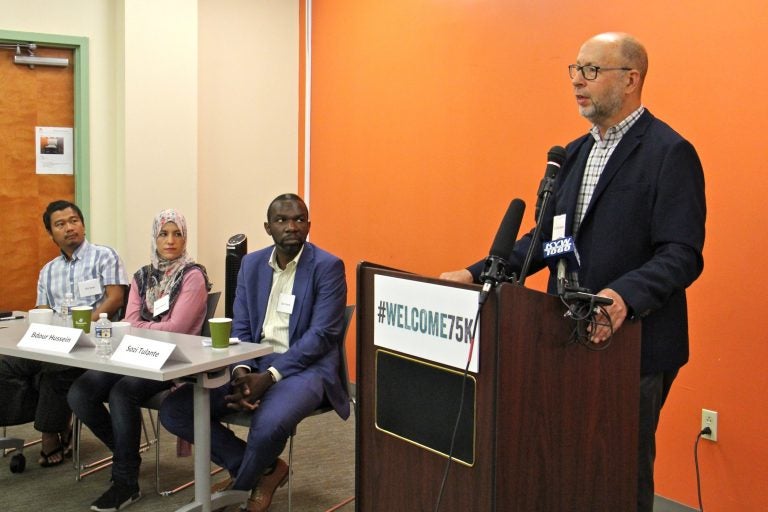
[
  {"x": 174, "y": 490},
  {"x": 103, "y": 463},
  {"x": 156, "y": 434},
  {"x": 290, "y": 470},
  {"x": 77, "y": 425},
  {"x": 11, "y": 444}
]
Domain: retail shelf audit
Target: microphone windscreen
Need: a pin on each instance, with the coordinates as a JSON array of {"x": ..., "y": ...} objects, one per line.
[
  {"x": 506, "y": 236},
  {"x": 556, "y": 156}
]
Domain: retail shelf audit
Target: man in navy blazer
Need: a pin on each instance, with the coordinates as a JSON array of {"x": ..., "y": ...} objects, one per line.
[
  {"x": 291, "y": 295},
  {"x": 631, "y": 193}
]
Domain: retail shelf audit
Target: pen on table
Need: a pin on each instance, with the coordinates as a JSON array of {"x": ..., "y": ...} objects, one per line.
[{"x": 7, "y": 318}]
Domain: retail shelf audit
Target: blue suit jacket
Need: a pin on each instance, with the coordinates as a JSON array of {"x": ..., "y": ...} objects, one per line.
[
  {"x": 316, "y": 324},
  {"x": 642, "y": 234}
]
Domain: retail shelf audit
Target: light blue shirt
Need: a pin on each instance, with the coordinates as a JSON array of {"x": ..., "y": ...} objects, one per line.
[{"x": 89, "y": 262}]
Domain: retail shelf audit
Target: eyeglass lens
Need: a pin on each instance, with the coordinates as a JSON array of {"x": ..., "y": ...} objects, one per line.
[{"x": 588, "y": 72}]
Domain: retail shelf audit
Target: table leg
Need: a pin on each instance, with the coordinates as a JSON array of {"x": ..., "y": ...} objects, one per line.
[
  {"x": 202, "y": 408},
  {"x": 202, "y": 446}
]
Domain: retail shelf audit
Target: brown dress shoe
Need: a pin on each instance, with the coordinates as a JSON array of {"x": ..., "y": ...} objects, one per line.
[{"x": 261, "y": 495}]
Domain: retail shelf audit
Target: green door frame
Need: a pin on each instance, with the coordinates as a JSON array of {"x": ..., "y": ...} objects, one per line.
[{"x": 81, "y": 136}]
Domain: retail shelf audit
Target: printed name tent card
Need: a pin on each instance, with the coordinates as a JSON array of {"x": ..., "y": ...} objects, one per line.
[
  {"x": 143, "y": 352},
  {"x": 53, "y": 338}
]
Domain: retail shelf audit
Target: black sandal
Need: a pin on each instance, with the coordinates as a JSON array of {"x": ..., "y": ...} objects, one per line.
[{"x": 45, "y": 460}]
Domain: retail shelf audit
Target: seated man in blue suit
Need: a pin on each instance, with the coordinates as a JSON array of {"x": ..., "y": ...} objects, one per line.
[{"x": 291, "y": 295}]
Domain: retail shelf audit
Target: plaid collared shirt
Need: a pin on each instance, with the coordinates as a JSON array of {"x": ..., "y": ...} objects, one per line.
[
  {"x": 598, "y": 157},
  {"x": 88, "y": 262}
]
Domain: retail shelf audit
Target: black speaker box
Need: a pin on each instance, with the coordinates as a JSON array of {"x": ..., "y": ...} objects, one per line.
[{"x": 237, "y": 248}]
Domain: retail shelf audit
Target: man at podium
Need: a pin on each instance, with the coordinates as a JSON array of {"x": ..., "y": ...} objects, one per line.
[{"x": 631, "y": 194}]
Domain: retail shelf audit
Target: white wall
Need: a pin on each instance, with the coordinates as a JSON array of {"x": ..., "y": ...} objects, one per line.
[
  {"x": 248, "y": 119},
  {"x": 193, "y": 105},
  {"x": 159, "y": 107},
  {"x": 93, "y": 19}
]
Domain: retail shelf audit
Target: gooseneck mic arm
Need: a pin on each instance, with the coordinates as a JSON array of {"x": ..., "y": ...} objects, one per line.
[
  {"x": 532, "y": 246},
  {"x": 555, "y": 160}
]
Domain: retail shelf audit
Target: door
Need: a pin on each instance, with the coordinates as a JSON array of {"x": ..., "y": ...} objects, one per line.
[{"x": 43, "y": 96}]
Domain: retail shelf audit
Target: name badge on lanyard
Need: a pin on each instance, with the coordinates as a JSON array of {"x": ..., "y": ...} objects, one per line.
[
  {"x": 285, "y": 303},
  {"x": 89, "y": 288},
  {"x": 161, "y": 305},
  {"x": 558, "y": 227}
]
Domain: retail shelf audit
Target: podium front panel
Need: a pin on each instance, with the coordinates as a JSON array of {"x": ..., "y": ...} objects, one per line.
[{"x": 419, "y": 402}]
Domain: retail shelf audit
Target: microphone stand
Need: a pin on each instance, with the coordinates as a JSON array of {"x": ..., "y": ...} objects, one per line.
[{"x": 546, "y": 191}]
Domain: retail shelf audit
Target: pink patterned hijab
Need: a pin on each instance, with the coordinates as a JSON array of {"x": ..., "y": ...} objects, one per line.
[{"x": 167, "y": 274}]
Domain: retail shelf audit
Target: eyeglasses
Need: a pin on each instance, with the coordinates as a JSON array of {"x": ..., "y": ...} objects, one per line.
[{"x": 590, "y": 72}]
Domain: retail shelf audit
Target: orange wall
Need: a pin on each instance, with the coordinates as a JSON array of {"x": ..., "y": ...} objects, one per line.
[{"x": 428, "y": 116}]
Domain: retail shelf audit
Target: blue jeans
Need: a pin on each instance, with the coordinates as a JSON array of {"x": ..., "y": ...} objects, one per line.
[
  {"x": 119, "y": 427},
  {"x": 282, "y": 407}
]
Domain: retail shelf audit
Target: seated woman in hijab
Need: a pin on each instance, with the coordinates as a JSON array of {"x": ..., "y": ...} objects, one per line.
[{"x": 170, "y": 294}]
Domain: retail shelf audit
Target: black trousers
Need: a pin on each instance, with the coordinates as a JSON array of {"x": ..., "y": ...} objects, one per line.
[
  {"x": 35, "y": 390},
  {"x": 654, "y": 388}
]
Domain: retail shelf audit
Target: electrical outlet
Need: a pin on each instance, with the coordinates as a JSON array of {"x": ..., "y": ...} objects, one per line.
[{"x": 709, "y": 419}]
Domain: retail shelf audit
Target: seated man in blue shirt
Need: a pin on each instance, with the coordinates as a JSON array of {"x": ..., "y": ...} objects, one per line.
[
  {"x": 95, "y": 275},
  {"x": 292, "y": 296}
]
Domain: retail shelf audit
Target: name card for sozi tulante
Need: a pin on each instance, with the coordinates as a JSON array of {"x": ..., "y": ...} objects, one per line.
[
  {"x": 53, "y": 338},
  {"x": 143, "y": 352}
]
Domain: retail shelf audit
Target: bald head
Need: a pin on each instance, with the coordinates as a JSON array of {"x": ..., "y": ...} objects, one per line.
[
  {"x": 625, "y": 47},
  {"x": 617, "y": 64}
]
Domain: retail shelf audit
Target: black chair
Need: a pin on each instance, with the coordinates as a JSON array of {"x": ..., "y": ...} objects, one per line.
[
  {"x": 213, "y": 301},
  {"x": 243, "y": 419},
  {"x": 14, "y": 444},
  {"x": 120, "y": 313}
]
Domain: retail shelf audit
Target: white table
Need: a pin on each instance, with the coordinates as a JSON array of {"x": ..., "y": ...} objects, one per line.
[{"x": 207, "y": 369}]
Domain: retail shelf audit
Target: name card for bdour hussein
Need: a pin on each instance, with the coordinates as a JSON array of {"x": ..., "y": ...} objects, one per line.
[
  {"x": 53, "y": 338},
  {"x": 143, "y": 352}
]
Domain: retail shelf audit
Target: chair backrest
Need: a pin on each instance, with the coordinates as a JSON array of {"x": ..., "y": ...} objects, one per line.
[
  {"x": 243, "y": 418},
  {"x": 343, "y": 365},
  {"x": 213, "y": 301},
  {"x": 120, "y": 313}
]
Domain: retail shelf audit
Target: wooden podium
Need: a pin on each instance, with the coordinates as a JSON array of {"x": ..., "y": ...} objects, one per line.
[{"x": 551, "y": 426}]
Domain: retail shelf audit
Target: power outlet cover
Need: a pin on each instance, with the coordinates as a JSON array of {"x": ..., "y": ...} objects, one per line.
[{"x": 709, "y": 419}]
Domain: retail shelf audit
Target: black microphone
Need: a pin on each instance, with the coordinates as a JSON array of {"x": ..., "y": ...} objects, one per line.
[
  {"x": 497, "y": 263},
  {"x": 555, "y": 160}
]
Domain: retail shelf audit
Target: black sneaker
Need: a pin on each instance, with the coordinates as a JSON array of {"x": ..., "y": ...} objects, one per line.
[{"x": 116, "y": 498}]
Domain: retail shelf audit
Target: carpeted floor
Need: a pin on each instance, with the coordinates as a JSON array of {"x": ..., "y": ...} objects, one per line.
[{"x": 323, "y": 463}]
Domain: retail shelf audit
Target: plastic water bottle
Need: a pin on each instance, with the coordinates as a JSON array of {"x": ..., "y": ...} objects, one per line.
[
  {"x": 103, "y": 332},
  {"x": 65, "y": 310}
]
